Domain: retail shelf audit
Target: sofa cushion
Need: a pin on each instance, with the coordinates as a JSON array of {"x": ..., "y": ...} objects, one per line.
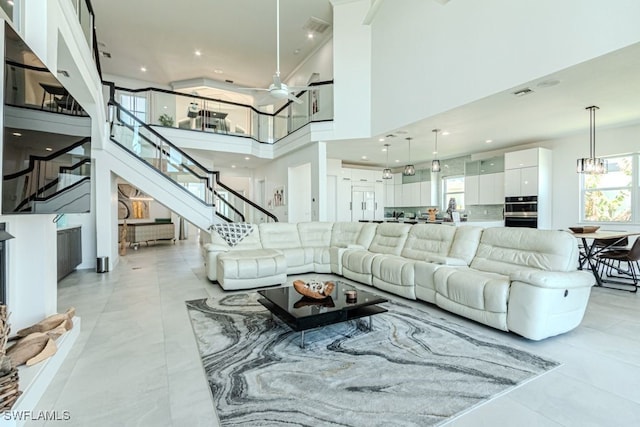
[
  {"x": 345, "y": 234},
  {"x": 428, "y": 239},
  {"x": 279, "y": 235},
  {"x": 465, "y": 243},
  {"x": 481, "y": 296},
  {"x": 389, "y": 238},
  {"x": 394, "y": 274},
  {"x": 356, "y": 265},
  {"x": 251, "y": 268},
  {"x": 509, "y": 250},
  {"x": 315, "y": 234}
]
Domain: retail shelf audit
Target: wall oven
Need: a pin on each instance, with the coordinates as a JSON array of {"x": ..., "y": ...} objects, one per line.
[{"x": 521, "y": 211}]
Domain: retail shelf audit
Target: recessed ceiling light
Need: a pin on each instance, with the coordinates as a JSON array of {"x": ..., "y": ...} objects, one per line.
[
  {"x": 218, "y": 71},
  {"x": 247, "y": 158},
  {"x": 381, "y": 139},
  {"x": 233, "y": 166},
  {"x": 434, "y": 152},
  {"x": 445, "y": 133},
  {"x": 16, "y": 134},
  {"x": 297, "y": 51},
  {"x": 49, "y": 149},
  {"x": 489, "y": 141},
  {"x": 491, "y": 164},
  {"x": 364, "y": 157},
  {"x": 397, "y": 161},
  {"x": 143, "y": 69},
  {"x": 309, "y": 35},
  {"x": 197, "y": 53},
  {"x": 165, "y": 107},
  {"x": 384, "y": 149}
]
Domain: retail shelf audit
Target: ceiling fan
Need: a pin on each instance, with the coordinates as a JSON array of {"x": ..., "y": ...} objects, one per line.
[{"x": 279, "y": 90}]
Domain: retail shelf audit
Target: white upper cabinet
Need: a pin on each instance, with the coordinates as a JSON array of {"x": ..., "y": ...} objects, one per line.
[
  {"x": 472, "y": 190},
  {"x": 521, "y": 159}
]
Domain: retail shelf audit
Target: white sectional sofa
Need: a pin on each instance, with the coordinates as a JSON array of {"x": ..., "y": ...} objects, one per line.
[{"x": 514, "y": 279}]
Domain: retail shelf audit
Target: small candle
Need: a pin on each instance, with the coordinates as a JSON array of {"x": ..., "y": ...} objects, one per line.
[{"x": 352, "y": 296}]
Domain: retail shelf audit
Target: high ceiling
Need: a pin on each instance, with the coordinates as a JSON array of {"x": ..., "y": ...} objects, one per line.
[{"x": 237, "y": 37}]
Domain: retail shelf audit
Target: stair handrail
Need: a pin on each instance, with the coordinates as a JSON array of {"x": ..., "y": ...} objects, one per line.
[
  {"x": 34, "y": 158},
  {"x": 210, "y": 173},
  {"x": 216, "y": 174},
  {"x": 34, "y": 197}
]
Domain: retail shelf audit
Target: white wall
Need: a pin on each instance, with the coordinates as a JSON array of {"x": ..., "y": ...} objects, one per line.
[
  {"x": 300, "y": 189},
  {"x": 31, "y": 268},
  {"x": 428, "y": 58},
  {"x": 275, "y": 174},
  {"x": 320, "y": 61},
  {"x": 352, "y": 69}
]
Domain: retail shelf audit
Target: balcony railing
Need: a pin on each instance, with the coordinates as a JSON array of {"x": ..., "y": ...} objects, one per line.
[{"x": 193, "y": 112}]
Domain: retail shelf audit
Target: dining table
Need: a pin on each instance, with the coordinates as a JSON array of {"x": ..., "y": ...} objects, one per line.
[{"x": 590, "y": 250}]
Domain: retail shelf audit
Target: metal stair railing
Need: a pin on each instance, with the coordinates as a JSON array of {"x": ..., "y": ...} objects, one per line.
[{"x": 157, "y": 152}]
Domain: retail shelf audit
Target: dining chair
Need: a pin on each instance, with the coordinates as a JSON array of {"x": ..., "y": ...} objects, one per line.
[{"x": 612, "y": 263}]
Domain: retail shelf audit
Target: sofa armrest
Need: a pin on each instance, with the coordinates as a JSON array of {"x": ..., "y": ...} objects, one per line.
[
  {"x": 355, "y": 247},
  {"x": 554, "y": 279},
  {"x": 212, "y": 247},
  {"x": 444, "y": 260}
]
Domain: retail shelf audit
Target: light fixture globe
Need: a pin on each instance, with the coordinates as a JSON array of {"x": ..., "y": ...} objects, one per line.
[
  {"x": 386, "y": 172},
  {"x": 409, "y": 170},
  {"x": 592, "y": 165},
  {"x": 435, "y": 163}
]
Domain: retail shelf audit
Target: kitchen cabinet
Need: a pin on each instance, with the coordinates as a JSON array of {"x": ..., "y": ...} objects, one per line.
[
  {"x": 486, "y": 189},
  {"x": 490, "y": 189},
  {"x": 529, "y": 173},
  {"x": 411, "y": 194},
  {"x": 521, "y": 159},
  {"x": 363, "y": 203},
  {"x": 69, "y": 244},
  {"x": 472, "y": 190},
  {"x": 521, "y": 182},
  {"x": 425, "y": 193}
]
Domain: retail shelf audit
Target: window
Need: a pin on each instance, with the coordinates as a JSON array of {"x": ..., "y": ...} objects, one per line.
[
  {"x": 453, "y": 189},
  {"x": 137, "y": 105},
  {"x": 610, "y": 197}
]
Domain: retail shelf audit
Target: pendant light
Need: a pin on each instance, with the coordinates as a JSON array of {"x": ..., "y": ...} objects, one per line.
[
  {"x": 386, "y": 172},
  {"x": 409, "y": 170},
  {"x": 435, "y": 163},
  {"x": 592, "y": 164}
]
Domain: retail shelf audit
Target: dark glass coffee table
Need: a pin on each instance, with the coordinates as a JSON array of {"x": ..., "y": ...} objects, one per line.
[{"x": 303, "y": 313}]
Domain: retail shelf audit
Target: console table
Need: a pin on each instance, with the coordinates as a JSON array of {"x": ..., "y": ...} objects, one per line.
[{"x": 146, "y": 232}]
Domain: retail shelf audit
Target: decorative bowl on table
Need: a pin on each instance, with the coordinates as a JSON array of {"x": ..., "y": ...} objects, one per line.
[
  {"x": 313, "y": 288},
  {"x": 585, "y": 229}
]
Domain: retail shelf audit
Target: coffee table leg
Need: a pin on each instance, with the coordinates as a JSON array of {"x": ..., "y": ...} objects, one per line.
[
  {"x": 370, "y": 323},
  {"x": 301, "y": 339}
]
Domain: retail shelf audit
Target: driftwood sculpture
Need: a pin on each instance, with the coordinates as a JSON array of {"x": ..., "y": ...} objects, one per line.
[{"x": 37, "y": 342}]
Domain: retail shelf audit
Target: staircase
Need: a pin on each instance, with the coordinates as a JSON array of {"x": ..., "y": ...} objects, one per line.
[
  {"x": 150, "y": 162},
  {"x": 57, "y": 183}
]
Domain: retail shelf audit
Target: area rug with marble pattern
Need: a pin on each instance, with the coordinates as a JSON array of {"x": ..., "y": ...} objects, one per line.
[{"x": 412, "y": 369}]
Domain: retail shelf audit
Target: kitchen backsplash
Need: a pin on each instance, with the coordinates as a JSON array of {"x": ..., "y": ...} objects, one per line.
[{"x": 482, "y": 212}]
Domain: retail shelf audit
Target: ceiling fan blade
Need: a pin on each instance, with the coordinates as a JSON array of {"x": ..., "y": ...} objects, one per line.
[
  {"x": 294, "y": 99},
  {"x": 261, "y": 89}
]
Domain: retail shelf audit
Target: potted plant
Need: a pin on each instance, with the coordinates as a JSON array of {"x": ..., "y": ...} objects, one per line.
[{"x": 166, "y": 120}]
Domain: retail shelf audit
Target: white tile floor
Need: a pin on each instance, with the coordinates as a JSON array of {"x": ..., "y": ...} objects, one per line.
[{"x": 136, "y": 363}]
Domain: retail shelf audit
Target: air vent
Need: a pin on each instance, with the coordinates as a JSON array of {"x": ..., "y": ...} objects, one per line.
[
  {"x": 105, "y": 54},
  {"x": 316, "y": 25},
  {"x": 523, "y": 92},
  {"x": 390, "y": 136},
  {"x": 229, "y": 81}
]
